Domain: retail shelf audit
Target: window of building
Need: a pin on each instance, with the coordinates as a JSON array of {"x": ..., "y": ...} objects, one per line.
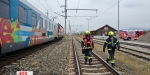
[
  {"x": 45, "y": 24},
  {"x": 5, "y": 9},
  {"x": 105, "y": 28},
  {"x": 23, "y": 14},
  {"x": 34, "y": 19},
  {"x": 41, "y": 23}
]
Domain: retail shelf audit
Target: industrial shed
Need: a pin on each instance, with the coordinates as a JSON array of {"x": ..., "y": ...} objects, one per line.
[{"x": 103, "y": 31}]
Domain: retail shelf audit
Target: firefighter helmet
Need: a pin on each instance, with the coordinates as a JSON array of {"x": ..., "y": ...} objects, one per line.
[
  {"x": 111, "y": 33},
  {"x": 87, "y": 32}
]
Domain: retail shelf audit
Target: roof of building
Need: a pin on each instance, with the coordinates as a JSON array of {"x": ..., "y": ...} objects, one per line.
[{"x": 104, "y": 26}]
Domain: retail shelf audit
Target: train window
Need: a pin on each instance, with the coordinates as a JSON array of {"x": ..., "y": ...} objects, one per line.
[
  {"x": 22, "y": 14},
  {"x": 5, "y": 1},
  {"x": 41, "y": 23},
  {"x": 49, "y": 26},
  {"x": 52, "y": 26},
  {"x": 45, "y": 24},
  {"x": 34, "y": 20},
  {"x": 5, "y": 7}
]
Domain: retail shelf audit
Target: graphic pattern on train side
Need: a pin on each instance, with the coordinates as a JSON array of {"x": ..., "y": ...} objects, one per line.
[{"x": 10, "y": 33}]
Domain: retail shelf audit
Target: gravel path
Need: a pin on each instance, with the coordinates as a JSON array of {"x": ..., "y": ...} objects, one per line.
[{"x": 52, "y": 60}]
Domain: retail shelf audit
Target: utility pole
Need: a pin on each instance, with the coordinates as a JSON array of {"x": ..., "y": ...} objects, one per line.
[
  {"x": 88, "y": 23},
  {"x": 73, "y": 9},
  {"x": 65, "y": 14},
  {"x": 118, "y": 19},
  {"x": 69, "y": 26}
]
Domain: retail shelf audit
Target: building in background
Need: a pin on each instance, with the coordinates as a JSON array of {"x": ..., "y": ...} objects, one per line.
[{"x": 103, "y": 31}]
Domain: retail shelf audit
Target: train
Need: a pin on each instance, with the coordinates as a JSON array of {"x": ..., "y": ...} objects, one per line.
[
  {"x": 22, "y": 25},
  {"x": 131, "y": 34}
]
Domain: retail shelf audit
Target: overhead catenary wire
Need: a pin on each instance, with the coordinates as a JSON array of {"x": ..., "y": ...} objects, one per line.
[
  {"x": 38, "y": 5},
  {"x": 80, "y": 3},
  {"x": 47, "y": 1},
  {"x": 76, "y": 11},
  {"x": 48, "y": 6},
  {"x": 51, "y": 8},
  {"x": 59, "y": 5},
  {"x": 106, "y": 10},
  {"x": 106, "y": 5},
  {"x": 44, "y": 7}
]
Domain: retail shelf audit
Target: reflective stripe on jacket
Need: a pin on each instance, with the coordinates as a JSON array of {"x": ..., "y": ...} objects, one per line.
[
  {"x": 108, "y": 43},
  {"x": 88, "y": 42}
]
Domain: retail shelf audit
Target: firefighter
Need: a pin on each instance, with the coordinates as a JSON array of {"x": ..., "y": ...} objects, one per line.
[
  {"x": 111, "y": 43},
  {"x": 87, "y": 47}
]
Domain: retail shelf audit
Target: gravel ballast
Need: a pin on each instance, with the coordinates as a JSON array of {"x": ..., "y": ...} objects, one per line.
[
  {"x": 52, "y": 60},
  {"x": 145, "y": 38}
]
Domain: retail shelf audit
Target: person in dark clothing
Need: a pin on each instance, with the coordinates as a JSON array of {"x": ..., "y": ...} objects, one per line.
[
  {"x": 112, "y": 43},
  {"x": 87, "y": 47}
]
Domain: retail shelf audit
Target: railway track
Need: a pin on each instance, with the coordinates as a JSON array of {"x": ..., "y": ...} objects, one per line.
[
  {"x": 8, "y": 58},
  {"x": 134, "y": 52},
  {"x": 77, "y": 66},
  {"x": 132, "y": 44}
]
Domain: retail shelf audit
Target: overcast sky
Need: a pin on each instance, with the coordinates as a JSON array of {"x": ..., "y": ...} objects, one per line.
[{"x": 133, "y": 13}]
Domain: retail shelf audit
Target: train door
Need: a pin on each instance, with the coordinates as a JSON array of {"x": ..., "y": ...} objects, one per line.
[{"x": 0, "y": 48}]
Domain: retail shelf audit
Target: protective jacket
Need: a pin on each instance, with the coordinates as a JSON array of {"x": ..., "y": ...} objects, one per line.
[
  {"x": 111, "y": 43},
  {"x": 87, "y": 42}
]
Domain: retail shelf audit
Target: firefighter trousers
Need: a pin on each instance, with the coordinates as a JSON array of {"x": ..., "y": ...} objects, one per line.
[
  {"x": 88, "y": 55},
  {"x": 111, "y": 56}
]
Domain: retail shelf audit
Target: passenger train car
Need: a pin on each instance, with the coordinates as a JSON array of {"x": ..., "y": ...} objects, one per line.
[{"x": 22, "y": 25}]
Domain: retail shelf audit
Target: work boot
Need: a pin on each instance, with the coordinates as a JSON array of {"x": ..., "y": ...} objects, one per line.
[
  {"x": 113, "y": 65},
  {"x": 107, "y": 60},
  {"x": 85, "y": 61},
  {"x": 90, "y": 61}
]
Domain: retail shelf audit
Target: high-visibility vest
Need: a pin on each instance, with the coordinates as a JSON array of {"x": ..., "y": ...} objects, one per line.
[{"x": 87, "y": 42}]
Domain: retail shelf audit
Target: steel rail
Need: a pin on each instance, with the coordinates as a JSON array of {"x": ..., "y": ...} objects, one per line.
[
  {"x": 75, "y": 54},
  {"x": 114, "y": 71},
  {"x": 133, "y": 44},
  {"x": 134, "y": 54}
]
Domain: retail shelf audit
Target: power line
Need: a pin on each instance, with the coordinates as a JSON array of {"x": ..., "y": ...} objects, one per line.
[
  {"x": 76, "y": 11},
  {"x": 59, "y": 5},
  {"x": 107, "y": 9},
  {"x": 48, "y": 6},
  {"x": 51, "y": 8},
  {"x": 106, "y": 5},
  {"x": 37, "y": 4},
  {"x": 44, "y": 6}
]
